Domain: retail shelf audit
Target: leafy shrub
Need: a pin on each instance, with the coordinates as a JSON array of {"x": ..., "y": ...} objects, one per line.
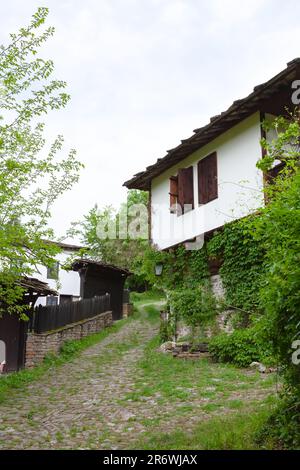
[
  {"x": 240, "y": 348},
  {"x": 242, "y": 268},
  {"x": 165, "y": 332},
  {"x": 282, "y": 429},
  {"x": 196, "y": 307}
]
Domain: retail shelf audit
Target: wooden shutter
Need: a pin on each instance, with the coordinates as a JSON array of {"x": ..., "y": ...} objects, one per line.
[
  {"x": 208, "y": 179},
  {"x": 186, "y": 187},
  {"x": 173, "y": 192}
]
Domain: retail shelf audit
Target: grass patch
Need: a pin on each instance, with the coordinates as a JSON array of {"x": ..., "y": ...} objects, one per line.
[
  {"x": 148, "y": 296},
  {"x": 202, "y": 388},
  {"x": 227, "y": 432},
  {"x": 152, "y": 314},
  {"x": 177, "y": 379}
]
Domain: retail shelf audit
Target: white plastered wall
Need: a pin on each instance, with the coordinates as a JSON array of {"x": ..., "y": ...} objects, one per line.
[{"x": 240, "y": 186}]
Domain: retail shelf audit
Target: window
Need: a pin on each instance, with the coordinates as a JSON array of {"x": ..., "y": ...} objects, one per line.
[
  {"x": 52, "y": 271},
  {"x": 182, "y": 191},
  {"x": 52, "y": 300},
  {"x": 186, "y": 189},
  {"x": 65, "y": 299},
  {"x": 173, "y": 194},
  {"x": 208, "y": 179}
]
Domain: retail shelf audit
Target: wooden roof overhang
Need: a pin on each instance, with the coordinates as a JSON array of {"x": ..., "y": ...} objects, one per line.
[
  {"x": 270, "y": 97},
  {"x": 34, "y": 288},
  {"x": 33, "y": 285},
  {"x": 83, "y": 264}
]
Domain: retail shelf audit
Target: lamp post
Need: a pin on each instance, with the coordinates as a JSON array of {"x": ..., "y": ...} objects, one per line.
[{"x": 158, "y": 269}]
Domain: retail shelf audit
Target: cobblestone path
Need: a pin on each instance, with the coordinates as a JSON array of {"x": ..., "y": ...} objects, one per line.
[
  {"x": 77, "y": 405},
  {"x": 81, "y": 405}
]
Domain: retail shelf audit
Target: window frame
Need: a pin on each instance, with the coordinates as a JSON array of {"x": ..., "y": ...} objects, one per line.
[
  {"x": 173, "y": 195},
  {"x": 208, "y": 189},
  {"x": 53, "y": 271}
]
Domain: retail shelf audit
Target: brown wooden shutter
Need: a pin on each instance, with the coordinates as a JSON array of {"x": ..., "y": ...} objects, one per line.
[
  {"x": 186, "y": 187},
  {"x": 173, "y": 192},
  {"x": 208, "y": 179}
]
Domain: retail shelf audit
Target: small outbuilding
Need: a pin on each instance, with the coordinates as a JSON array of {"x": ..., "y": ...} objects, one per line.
[
  {"x": 97, "y": 278},
  {"x": 13, "y": 331}
]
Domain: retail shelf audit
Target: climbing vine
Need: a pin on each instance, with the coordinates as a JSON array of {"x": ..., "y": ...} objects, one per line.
[
  {"x": 242, "y": 266},
  {"x": 181, "y": 268}
]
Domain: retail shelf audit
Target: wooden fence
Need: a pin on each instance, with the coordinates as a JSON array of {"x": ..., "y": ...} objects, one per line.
[{"x": 52, "y": 317}]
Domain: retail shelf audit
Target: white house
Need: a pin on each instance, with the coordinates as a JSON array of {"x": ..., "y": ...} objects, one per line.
[
  {"x": 67, "y": 283},
  {"x": 211, "y": 178}
]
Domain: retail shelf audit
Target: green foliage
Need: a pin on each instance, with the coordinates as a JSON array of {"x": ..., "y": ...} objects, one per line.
[
  {"x": 240, "y": 347},
  {"x": 222, "y": 432},
  {"x": 279, "y": 229},
  {"x": 242, "y": 269},
  {"x": 165, "y": 332},
  {"x": 150, "y": 295},
  {"x": 181, "y": 268},
  {"x": 282, "y": 428},
  {"x": 198, "y": 263},
  {"x": 115, "y": 247},
  {"x": 261, "y": 273},
  {"x": 31, "y": 179},
  {"x": 196, "y": 306},
  {"x": 285, "y": 147}
]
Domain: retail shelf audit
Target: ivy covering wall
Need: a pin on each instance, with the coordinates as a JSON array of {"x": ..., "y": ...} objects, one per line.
[
  {"x": 240, "y": 256},
  {"x": 243, "y": 265}
]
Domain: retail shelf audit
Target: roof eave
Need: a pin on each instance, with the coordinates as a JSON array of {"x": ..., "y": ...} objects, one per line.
[{"x": 237, "y": 112}]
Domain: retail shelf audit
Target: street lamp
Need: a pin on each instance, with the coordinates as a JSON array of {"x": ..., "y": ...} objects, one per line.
[{"x": 158, "y": 269}]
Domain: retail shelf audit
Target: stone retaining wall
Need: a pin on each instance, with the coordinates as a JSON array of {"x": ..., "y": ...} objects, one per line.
[
  {"x": 39, "y": 345},
  {"x": 224, "y": 319}
]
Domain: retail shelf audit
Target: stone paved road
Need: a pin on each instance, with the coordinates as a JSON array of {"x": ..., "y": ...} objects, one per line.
[
  {"x": 81, "y": 405},
  {"x": 77, "y": 405}
]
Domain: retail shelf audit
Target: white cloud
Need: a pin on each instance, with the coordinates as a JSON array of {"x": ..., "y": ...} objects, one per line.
[
  {"x": 229, "y": 12},
  {"x": 144, "y": 73}
]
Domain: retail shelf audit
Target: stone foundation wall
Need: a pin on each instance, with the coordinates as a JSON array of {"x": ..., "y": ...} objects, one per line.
[
  {"x": 127, "y": 310},
  {"x": 217, "y": 287},
  {"x": 224, "y": 318},
  {"x": 39, "y": 345}
]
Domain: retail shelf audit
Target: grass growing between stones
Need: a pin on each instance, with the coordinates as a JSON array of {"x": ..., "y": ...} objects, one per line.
[
  {"x": 203, "y": 405},
  {"x": 179, "y": 379},
  {"x": 226, "y": 432},
  {"x": 70, "y": 350},
  {"x": 124, "y": 394}
]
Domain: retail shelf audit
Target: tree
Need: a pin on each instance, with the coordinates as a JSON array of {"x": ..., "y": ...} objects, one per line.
[
  {"x": 104, "y": 233},
  {"x": 31, "y": 178}
]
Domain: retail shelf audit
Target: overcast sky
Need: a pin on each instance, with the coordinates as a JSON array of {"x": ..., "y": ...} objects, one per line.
[{"x": 143, "y": 74}]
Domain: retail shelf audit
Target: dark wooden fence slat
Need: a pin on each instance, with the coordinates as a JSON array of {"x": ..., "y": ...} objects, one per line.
[{"x": 51, "y": 317}]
